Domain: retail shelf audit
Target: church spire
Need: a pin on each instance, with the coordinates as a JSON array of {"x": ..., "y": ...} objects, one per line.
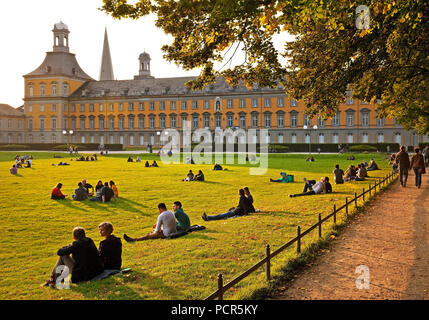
[{"x": 106, "y": 70}]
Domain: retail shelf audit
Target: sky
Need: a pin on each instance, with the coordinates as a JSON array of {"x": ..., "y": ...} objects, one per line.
[{"x": 26, "y": 35}]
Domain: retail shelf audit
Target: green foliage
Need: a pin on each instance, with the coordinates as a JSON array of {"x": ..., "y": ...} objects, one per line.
[
  {"x": 327, "y": 57},
  {"x": 363, "y": 147},
  {"x": 13, "y": 147}
]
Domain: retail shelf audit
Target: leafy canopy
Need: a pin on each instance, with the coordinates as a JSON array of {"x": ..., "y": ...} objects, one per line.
[{"x": 328, "y": 57}]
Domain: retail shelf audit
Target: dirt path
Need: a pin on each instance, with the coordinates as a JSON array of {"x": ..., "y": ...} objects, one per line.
[{"x": 391, "y": 238}]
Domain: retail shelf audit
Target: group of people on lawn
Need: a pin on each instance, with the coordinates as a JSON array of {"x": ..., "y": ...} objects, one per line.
[
  {"x": 154, "y": 164},
  {"x": 21, "y": 162},
  {"x": 104, "y": 192},
  {"x": 197, "y": 177}
]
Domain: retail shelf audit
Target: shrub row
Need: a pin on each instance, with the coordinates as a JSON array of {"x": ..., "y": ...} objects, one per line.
[{"x": 57, "y": 146}]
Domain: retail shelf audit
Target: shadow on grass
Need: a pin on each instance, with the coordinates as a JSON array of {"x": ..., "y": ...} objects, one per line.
[
  {"x": 110, "y": 289},
  {"x": 69, "y": 203}
]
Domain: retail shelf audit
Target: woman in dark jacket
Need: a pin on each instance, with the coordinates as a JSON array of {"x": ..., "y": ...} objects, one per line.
[
  {"x": 242, "y": 209},
  {"x": 418, "y": 165},
  {"x": 250, "y": 198}
]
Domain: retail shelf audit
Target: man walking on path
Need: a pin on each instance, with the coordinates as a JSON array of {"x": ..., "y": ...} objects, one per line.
[{"x": 403, "y": 160}]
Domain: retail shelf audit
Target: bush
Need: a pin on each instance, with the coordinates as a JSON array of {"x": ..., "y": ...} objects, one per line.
[
  {"x": 363, "y": 148},
  {"x": 13, "y": 147}
]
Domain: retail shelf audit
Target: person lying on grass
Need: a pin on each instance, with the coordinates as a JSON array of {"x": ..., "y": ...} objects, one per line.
[
  {"x": 165, "y": 225},
  {"x": 282, "y": 179},
  {"x": 56, "y": 193},
  {"x": 183, "y": 221},
  {"x": 80, "y": 193},
  {"x": 322, "y": 186},
  {"x": 308, "y": 184},
  {"x": 110, "y": 248},
  {"x": 243, "y": 208},
  {"x": 83, "y": 264}
]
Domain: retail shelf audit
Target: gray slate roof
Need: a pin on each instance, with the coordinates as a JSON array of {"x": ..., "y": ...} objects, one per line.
[
  {"x": 60, "y": 63},
  {"x": 153, "y": 87}
]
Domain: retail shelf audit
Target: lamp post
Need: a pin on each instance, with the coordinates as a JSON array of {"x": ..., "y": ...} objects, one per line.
[
  {"x": 309, "y": 131},
  {"x": 69, "y": 133},
  {"x": 158, "y": 133}
]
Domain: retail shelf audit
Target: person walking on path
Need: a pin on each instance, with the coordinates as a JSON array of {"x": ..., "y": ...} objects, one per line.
[
  {"x": 418, "y": 165},
  {"x": 403, "y": 160}
]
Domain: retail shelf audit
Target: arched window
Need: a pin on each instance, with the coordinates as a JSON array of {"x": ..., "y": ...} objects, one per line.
[{"x": 30, "y": 89}]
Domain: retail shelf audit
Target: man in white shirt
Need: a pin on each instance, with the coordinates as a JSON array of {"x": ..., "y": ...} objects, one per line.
[
  {"x": 317, "y": 188},
  {"x": 165, "y": 225}
]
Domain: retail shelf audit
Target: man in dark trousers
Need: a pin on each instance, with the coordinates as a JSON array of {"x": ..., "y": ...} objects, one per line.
[
  {"x": 110, "y": 248},
  {"x": 403, "y": 161},
  {"x": 84, "y": 262}
]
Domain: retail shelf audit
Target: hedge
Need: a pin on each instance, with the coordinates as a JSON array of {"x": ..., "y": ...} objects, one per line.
[
  {"x": 58, "y": 146},
  {"x": 324, "y": 147}
]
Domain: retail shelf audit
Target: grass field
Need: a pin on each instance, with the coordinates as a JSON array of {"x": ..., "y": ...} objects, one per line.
[{"x": 34, "y": 227}]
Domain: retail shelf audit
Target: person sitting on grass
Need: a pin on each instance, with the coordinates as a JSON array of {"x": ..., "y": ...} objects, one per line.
[
  {"x": 217, "y": 167},
  {"x": 250, "y": 198},
  {"x": 183, "y": 221},
  {"x": 282, "y": 179},
  {"x": 110, "y": 248},
  {"x": 338, "y": 175},
  {"x": 199, "y": 176},
  {"x": 104, "y": 195},
  {"x": 18, "y": 164},
  {"x": 360, "y": 174},
  {"x": 318, "y": 188},
  {"x": 147, "y": 165},
  {"x": 328, "y": 186},
  {"x": 130, "y": 159},
  {"x": 13, "y": 170},
  {"x": 350, "y": 173},
  {"x": 165, "y": 225},
  {"x": 29, "y": 163},
  {"x": 308, "y": 184},
  {"x": 138, "y": 159},
  {"x": 56, "y": 193},
  {"x": 84, "y": 262},
  {"x": 352, "y": 157},
  {"x": 372, "y": 166},
  {"x": 189, "y": 177},
  {"x": 363, "y": 169},
  {"x": 88, "y": 186},
  {"x": 80, "y": 193},
  {"x": 115, "y": 189},
  {"x": 242, "y": 209},
  {"x": 154, "y": 164}
]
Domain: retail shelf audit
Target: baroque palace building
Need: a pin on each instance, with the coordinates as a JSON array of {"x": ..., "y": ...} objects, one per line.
[{"x": 60, "y": 96}]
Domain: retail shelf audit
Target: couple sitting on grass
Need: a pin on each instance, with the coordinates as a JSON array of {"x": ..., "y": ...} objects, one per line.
[
  {"x": 191, "y": 177},
  {"x": 245, "y": 206},
  {"x": 312, "y": 187},
  {"x": 86, "y": 262},
  {"x": 166, "y": 224},
  {"x": 356, "y": 174}
]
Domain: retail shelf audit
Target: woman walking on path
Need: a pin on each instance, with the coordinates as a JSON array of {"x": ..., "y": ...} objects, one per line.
[{"x": 418, "y": 165}]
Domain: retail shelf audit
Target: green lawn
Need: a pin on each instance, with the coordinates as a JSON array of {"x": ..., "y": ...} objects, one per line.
[{"x": 34, "y": 226}]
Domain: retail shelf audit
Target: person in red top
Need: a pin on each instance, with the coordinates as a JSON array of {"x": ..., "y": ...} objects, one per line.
[{"x": 56, "y": 193}]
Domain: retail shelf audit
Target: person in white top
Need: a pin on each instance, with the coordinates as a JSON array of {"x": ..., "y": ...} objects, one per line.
[
  {"x": 317, "y": 188},
  {"x": 165, "y": 226}
]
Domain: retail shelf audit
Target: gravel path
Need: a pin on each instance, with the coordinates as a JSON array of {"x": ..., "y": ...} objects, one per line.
[{"x": 391, "y": 239}]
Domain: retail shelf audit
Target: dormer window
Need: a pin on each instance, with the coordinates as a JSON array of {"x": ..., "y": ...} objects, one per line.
[{"x": 66, "y": 89}]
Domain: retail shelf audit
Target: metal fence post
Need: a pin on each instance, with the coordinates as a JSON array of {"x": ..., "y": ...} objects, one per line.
[
  {"x": 298, "y": 242},
  {"x": 320, "y": 225},
  {"x": 347, "y": 207},
  {"x": 369, "y": 188},
  {"x": 268, "y": 262},
  {"x": 355, "y": 200},
  {"x": 220, "y": 286},
  {"x": 335, "y": 214},
  {"x": 363, "y": 194}
]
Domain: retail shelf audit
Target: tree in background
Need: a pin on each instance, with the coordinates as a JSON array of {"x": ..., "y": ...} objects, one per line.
[{"x": 375, "y": 53}]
